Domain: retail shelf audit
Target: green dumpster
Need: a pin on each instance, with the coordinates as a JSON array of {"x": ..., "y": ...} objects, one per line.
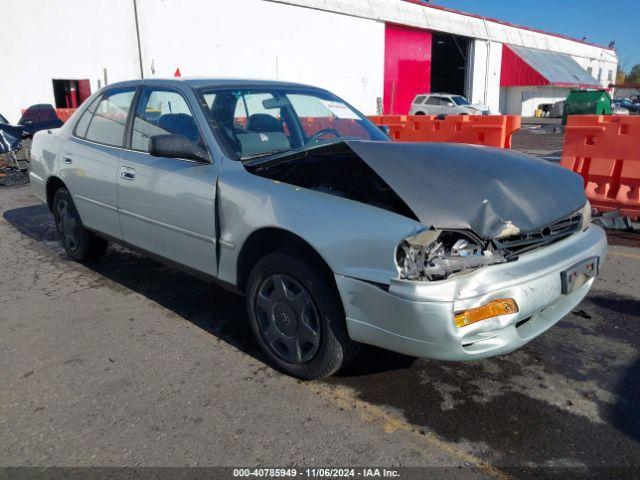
[{"x": 587, "y": 102}]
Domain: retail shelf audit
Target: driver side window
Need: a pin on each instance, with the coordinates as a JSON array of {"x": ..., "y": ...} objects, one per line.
[{"x": 162, "y": 112}]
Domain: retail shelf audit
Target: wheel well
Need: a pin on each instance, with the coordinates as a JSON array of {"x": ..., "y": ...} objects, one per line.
[
  {"x": 53, "y": 184},
  {"x": 268, "y": 240}
]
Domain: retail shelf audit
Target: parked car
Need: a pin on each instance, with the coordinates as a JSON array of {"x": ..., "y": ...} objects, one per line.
[
  {"x": 445, "y": 104},
  {"x": 3, "y": 120},
  {"x": 626, "y": 104},
  {"x": 335, "y": 234}
]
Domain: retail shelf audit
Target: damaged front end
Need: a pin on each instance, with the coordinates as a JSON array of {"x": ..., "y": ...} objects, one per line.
[
  {"x": 480, "y": 206},
  {"x": 436, "y": 255}
]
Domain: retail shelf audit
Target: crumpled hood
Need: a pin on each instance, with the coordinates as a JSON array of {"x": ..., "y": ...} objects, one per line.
[{"x": 493, "y": 192}]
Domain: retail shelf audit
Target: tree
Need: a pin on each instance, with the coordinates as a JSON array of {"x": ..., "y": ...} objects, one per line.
[
  {"x": 633, "y": 77},
  {"x": 621, "y": 77}
]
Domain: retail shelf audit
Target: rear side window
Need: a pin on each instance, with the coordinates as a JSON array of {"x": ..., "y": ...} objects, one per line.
[
  {"x": 162, "y": 112},
  {"x": 419, "y": 99},
  {"x": 83, "y": 123},
  {"x": 107, "y": 124}
]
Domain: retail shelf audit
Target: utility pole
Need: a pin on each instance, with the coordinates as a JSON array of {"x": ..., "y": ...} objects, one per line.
[{"x": 135, "y": 14}]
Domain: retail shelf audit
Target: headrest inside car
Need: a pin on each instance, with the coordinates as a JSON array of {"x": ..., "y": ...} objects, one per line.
[{"x": 262, "y": 122}]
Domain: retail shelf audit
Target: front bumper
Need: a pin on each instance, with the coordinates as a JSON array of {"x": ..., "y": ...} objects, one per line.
[{"x": 416, "y": 318}]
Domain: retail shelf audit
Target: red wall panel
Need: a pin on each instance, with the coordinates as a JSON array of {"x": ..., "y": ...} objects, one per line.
[
  {"x": 515, "y": 72},
  {"x": 84, "y": 90},
  {"x": 407, "y": 67}
]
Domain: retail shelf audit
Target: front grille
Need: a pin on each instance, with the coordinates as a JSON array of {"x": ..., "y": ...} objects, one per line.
[{"x": 518, "y": 244}]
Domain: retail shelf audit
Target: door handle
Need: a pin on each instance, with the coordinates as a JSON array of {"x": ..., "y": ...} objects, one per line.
[
  {"x": 67, "y": 160},
  {"x": 127, "y": 173}
]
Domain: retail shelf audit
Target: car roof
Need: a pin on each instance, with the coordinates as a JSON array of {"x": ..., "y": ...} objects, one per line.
[
  {"x": 205, "y": 82},
  {"x": 438, "y": 93}
]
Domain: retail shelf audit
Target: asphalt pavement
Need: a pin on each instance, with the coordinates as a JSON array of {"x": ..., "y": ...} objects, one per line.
[{"x": 127, "y": 362}]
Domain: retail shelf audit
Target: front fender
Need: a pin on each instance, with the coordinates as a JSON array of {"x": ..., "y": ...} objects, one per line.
[{"x": 354, "y": 239}]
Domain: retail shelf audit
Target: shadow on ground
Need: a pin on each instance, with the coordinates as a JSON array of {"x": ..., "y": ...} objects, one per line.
[{"x": 568, "y": 399}]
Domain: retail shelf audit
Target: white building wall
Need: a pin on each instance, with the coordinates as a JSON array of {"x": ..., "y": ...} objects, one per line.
[
  {"x": 525, "y": 100},
  {"x": 431, "y": 18},
  {"x": 336, "y": 44},
  {"x": 63, "y": 39},
  {"x": 342, "y": 54},
  {"x": 603, "y": 70},
  {"x": 485, "y": 74}
]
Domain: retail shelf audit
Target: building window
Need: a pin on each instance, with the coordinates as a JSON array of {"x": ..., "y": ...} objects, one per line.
[
  {"x": 610, "y": 76},
  {"x": 70, "y": 93},
  {"x": 600, "y": 75},
  {"x": 590, "y": 71}
]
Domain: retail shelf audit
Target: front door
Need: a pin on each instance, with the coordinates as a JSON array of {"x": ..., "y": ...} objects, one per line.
[{"x": 167, "y": 205}]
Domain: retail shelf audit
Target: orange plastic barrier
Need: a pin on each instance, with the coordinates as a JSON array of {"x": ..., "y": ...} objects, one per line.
[
  {"x": 65, "y": 113},
  {"x": 490, "y": 130},
  {"x": 605, "y": 151},
  {"x": 62, "y": 113}
]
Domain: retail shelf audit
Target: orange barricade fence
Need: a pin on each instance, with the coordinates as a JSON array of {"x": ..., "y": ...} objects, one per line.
[
  {"x": 605, "y": 151},
  {"x": 489, "y": 130},
  {"x": 62, "y": 113},
  {"x": 65, "y": 113}
]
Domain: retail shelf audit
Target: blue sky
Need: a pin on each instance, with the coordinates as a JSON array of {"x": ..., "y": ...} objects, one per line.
[{"x": 602, "y": 22}]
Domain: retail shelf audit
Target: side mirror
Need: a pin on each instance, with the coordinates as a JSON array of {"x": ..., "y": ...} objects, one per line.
[
  {"x": 176, "y": 146},
  {"x": 451, "y": 104},
  {"x": 385, "y": 129}
]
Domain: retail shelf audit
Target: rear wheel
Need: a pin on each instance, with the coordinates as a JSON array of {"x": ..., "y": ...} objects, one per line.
[
  {"x": 297, "y": 318},
  {"x": 79, "y": 243}
]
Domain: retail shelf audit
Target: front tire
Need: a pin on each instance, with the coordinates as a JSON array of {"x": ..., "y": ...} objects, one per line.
[
  {"x": 79, "y": 243},
  {"x": 297, "y": 317}
]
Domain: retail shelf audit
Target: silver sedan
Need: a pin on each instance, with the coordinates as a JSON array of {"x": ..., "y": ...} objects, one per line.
[{"x": 335, "y": 235}]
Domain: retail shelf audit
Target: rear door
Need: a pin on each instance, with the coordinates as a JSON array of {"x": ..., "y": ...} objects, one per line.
[
  {"x": 89, "y": 160},
  {"x": 167, "y": 205},
  {"x": 432, "y": 105}
]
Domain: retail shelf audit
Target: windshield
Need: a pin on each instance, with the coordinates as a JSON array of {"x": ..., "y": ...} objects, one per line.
[
  {"x": 265, "y": 121},
  {"x": 460, "y": 100}
]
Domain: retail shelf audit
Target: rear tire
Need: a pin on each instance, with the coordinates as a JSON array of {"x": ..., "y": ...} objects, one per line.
[
  {"x": 79, "y": 243},
  {"x": 297, "y": 317}
]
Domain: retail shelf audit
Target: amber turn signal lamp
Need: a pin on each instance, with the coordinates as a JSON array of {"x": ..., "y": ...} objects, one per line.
[{"x": 502, "y": 306}]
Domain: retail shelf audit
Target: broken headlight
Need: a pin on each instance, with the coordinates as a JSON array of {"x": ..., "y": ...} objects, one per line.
[
  {"x": 435, "y": 255},
  {"x": 586, "y": 215}
]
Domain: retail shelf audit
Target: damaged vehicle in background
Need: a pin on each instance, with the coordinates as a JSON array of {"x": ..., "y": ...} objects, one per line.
[
  {"x": 17, "y": 141},
  {"x": 10, "y": 146},
  {"x": 336, "y": 235}
]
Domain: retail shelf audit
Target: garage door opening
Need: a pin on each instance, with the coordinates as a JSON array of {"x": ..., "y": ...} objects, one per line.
[
  {"x": 449, "y": 54},
  {"x": 70, "y": 93}
]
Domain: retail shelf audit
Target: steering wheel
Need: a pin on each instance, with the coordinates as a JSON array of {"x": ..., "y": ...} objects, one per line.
[{"x": 325, "y": 131}]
